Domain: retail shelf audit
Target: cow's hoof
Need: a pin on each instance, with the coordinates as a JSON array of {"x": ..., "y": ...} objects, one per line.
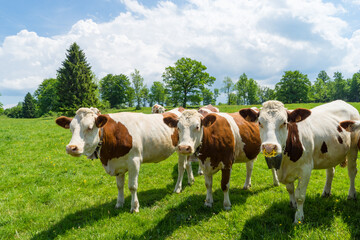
[
  {"x": 247, "y": 187},
  {"x": 227, "y": 207},
  {"x": 200, "y": 173},
  {"x": 119, "y": 205},
  {"x": 325, "y": 194},
  {"x": 178, "y": 190},
  {"x": 351, "y": 197},
  {"x": 293, "y": 205},
  {"x": 276, "y": 184},
  {"x": 208, "y": 204},
  {"x": 134, "y": 210}
]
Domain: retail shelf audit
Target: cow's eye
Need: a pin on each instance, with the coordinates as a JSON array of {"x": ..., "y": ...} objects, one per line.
[
  {"x": 284, "y": 124},
  {"x": 260, "y": 125},
  {"x": 197, "y": 127}
]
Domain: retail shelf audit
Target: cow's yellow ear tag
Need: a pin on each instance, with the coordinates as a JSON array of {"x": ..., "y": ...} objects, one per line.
[{"x": 272, "y": 154}]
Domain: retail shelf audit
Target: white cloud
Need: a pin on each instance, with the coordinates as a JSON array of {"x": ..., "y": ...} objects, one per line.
[{"x": 261, "y": 38}]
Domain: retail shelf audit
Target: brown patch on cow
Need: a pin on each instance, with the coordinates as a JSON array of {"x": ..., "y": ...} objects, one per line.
[
  {"x": 225, "y": 178},
  {"x": 218, "y": 143},
  {"x": 250, "y": 135},
  {"x": 211, "y": 108},
  {"x": 339, "y": 129},
  {"x": 203, "y": 112},
  {"x": 347, "y": 125},
  {"x": 298, "y": 114},
  {"x": 324, "y": 148},
  {"x": 340, "y": 140},
  {"x": 249, "y": 114},
  {"x": 117, "y": 141},
  {"x": 181, "y": 109},
  {"x": 171, "y": 120},
  {"x": 63, "y": 122},
  {"x": 293, "y": 148}
]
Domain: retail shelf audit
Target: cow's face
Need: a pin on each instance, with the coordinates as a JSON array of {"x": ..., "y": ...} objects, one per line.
[
  {"x": 274, "y": 120},
  {"x": 190, "y": 128},
  {"x": 85, "y": 131}
]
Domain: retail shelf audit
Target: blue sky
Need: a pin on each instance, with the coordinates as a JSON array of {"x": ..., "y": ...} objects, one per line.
[{"x": 261, "y": 38}]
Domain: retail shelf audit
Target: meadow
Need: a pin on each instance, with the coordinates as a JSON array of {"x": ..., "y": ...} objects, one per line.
[{"x": 47, "y": 194}]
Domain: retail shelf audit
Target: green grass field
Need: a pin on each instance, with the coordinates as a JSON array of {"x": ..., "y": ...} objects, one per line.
[{"x": 47, "y": 194}]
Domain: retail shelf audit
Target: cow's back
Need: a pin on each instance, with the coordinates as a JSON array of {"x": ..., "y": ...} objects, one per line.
[{"x": 151, "y": 137}]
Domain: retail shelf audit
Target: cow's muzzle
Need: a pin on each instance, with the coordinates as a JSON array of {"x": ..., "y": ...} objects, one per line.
[
  {"x": 73, "y": 150},
  {"x": 185, "y": 149}
]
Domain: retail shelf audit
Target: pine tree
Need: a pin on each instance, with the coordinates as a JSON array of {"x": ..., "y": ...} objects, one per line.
[
  {"x": 76, "y": 86},
  {"x": 29, "y": 108}
]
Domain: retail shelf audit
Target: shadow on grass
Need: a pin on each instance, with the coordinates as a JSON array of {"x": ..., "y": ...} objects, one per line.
[
  {"x": 89, "y": 216},
  {"x": 277, "y": 220}
]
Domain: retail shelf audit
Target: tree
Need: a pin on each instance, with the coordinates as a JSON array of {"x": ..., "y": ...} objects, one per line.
[
  {"x": 207, "y": 96},
  {"x": 29, "y": 107},
  {"x": 186, "y": 80},
  {"x": 253, "y": 90},
  {"x": 216, "y": 95},
  {"x": 1, "y": 107},
  {"x": 354, "y": 88},
  {"x": 320, "y": 90},
  {"x": 266, "y": 94},
  {"x": 145, "y": 95},
  {"x": 227, "y": 87},
  {"x": 76, "y": 86},
  {"x": 293, "y": 87},
  {"x": 138, "y": 82},
  {"x": 340, "y": 86},
  {"x": 157, "y": 93},
  {"x": 241, "y": 89},
  {"x": 14, "y": 112},
  {"x": 116, "y": 89},
  {"x": 46, "y": 96}
]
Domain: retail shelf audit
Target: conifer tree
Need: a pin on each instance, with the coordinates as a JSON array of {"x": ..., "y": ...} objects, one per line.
[
  {"x": 76, "y": 83},
  {"x": 29, "y": 108}
]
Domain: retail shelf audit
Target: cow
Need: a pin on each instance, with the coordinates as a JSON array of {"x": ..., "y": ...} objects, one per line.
[
  {"x": 218, "y": 140},
  {"x": 158, "y": 109},
  {"x": 205, "y": 110},
  {"x": 305, "y": 140},
  {"x": 122, "y": 141}
]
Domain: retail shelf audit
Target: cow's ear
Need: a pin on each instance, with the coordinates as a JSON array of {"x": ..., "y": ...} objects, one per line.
[
  {"x": 101, "y": 120},
  {"x": 171, "y": 121},
  {"x": 298, "y": 115},
  {"x": 249, "y": 114},
  {"x": 63, "y": 122},
  {"x": 208, "y": 120},
  {"x": 350, "y": 126}
]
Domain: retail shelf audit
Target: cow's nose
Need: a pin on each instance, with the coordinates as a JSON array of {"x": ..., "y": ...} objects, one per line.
[
  {"x": 269, "y": 148},
  {"x": 71, "y": 148},
  {"x": 184, "y": 149}
]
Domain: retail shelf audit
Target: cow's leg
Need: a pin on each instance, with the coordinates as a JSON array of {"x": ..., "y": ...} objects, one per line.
[
  {"x": 300, "y": 194},
  {"x": 290, "y": 188},
  {"x": 189, "y": 171},
  {"x": 249, "y": 168},
  {"x": 352, "y": 170},
  {"x": 181, "y": 168},
  {"x": 275, "y": 177},
  {"x": 208, "y": 183},
  {"x": 192, "y": 158},
  {"x": 133, "y": 184},
  {"x": 329, "y": 178},
  {"x": 120, "y": 180},
  {"x": 225, "y": 185}
]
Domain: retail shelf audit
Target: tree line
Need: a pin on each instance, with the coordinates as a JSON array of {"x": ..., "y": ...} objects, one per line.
[{"x": 187, "y": 82}]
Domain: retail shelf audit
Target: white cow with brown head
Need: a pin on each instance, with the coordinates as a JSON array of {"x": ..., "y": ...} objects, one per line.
[
  {"x": 218, "y": 140},
  {"x": 123, "y": 141},
  {"x": 306, "y": 140}
]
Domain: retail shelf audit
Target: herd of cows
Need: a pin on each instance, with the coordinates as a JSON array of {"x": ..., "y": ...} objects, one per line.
[{"x": 293, "y": 141}]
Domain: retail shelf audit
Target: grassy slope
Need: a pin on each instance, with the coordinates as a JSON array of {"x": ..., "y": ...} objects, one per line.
[{"x": 46, "y": 194}]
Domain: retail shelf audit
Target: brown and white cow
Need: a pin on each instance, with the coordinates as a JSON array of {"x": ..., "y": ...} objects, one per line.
[
  {"x": 123, "y": 141},
  {"x": 218, "y": 140},
  {"x": 306, "y": 140},
  {"x": 205, "y": 110},
  {"x": 157, "y": 108}
]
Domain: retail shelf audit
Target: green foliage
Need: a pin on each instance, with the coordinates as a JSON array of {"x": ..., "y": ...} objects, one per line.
[
  {"x": 157, "y": 93},
  {"x": 76, "y": 86},
  {"x": 247, "y": 90},
  {"x": 116, "y": 89},
  {"x": 340, "y": 87},
  {"x": 227, "y": 88},
  {"x": 354, "y": 88},
  {"x": 216, "y": 95},
  {"x": 186, "y": 80},
  {"x": 46, "y": 96},
  {"x": 14, "y": 112},
  {"x": 138, "y": 82},
  {"x": 207, "y": 96},
  {"x": 145, "y": 95},
  {"x": 266, "y": 94},
  {"x": 1, "y": 107},
  {"x": 29, "y": 107},
  {"x": 293, "y": 87}
]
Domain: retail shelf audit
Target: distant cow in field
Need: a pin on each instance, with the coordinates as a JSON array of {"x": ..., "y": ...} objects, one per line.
[
  {"x": 158, "y": 109},
  {"x": 205, "y": 110},
  {"x": 305, "y": 140},
  {"x": 218, "y": 140},
  {"x": 123, "y": 141}
]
